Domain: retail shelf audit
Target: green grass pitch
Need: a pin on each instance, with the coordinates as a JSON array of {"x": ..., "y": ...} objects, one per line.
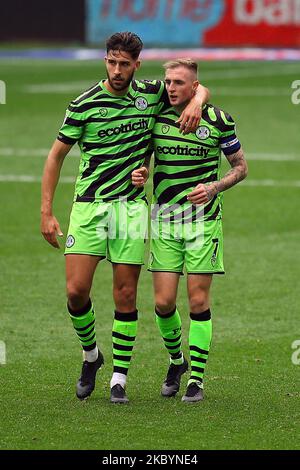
[{"x": 252, "y": 386}]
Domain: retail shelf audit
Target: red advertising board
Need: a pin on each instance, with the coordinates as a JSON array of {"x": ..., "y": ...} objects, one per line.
[
  {"x": 194, "y": 23},
  {"x": 257, "y": 23}
]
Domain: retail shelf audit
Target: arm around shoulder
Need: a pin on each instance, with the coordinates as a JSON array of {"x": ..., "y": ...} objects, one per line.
[{"x": 202, "y": 94}]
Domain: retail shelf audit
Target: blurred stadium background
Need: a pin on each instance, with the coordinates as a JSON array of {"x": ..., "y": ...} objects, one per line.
[{"x": 248, "y": 51}]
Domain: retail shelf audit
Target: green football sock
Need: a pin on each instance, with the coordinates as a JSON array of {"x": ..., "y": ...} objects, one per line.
[
  {"x": 170, "y": 329},
  {"x": 84, "y": 324},
  {"x": 199, "y": 341},
  {"x": 123, "y": 334}
]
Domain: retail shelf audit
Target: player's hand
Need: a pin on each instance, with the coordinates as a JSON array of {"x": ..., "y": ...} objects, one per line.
[
  {"x": 50, "y": 228},
  {"x": 202, "y": 194},
  {"x": 190, "y": 118},
  {"x": 139, "y": 177}
]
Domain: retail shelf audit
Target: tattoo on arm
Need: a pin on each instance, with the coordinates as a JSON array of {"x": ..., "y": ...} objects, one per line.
[{"x": 237, "y": 172}]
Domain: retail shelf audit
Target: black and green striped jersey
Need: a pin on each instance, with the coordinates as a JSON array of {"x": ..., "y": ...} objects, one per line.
[
  {"x": 184, "y": 161},
  {"x": 113, "y": 134}
]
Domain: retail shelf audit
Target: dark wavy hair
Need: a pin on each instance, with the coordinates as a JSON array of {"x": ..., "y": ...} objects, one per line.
[{"x": 125, "y": 41}]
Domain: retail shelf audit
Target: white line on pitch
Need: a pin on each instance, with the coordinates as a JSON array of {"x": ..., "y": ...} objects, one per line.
[
  {"x": 255, "y": 91},
  {"x": 286, "y": 69},
  {"x": 40, "y": 152},
  {"x": 275, "y": 183},
  {"x": 71, "y": 179},
  {"x": 273, "y": 157},
  {"x": 31, "y": 179},
  {"x": 58, "y": 87},
  {"x": 250, "y": 72}
]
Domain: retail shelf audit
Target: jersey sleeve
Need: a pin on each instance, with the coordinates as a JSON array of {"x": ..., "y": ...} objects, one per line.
[
  {"x": 159, "y": 87},
  {"x": 73, "y": 126},
  {"x": 229, "y": 141},
  {"x": 164, "y": 99}
]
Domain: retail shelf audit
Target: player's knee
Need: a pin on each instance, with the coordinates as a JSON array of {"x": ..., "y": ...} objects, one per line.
[
  {"x": 199, "y": 303},
  {"x": 78, "y": 296},
  {"x": 125, "y": 295},
  {"x": 164, "y": 305}
]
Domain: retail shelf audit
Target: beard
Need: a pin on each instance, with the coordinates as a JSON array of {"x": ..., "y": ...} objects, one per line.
[{"x": 121, "y": 85}]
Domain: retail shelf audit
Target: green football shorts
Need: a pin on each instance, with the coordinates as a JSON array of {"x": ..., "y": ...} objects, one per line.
[
  {"x": 198, "y": 246},
  {"x": 115, "y": 230}
]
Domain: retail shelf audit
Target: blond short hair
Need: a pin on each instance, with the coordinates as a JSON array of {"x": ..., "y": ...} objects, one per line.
[{"x": 187, "y": 63}]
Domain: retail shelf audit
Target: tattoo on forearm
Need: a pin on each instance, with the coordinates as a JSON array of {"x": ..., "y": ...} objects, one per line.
[
  {"x": 210, "y": 192},
  {"x": 237, "y": 172}
]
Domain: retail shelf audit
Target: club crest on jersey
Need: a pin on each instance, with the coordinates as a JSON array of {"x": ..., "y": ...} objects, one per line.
[
  {"x": 70, "y": 241},
  {"x": 203, "y": 132},
  {"x": 141, "y": 103},
  {"x": 165, "y": 128},
  {"x": 103, "y": 112}
]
